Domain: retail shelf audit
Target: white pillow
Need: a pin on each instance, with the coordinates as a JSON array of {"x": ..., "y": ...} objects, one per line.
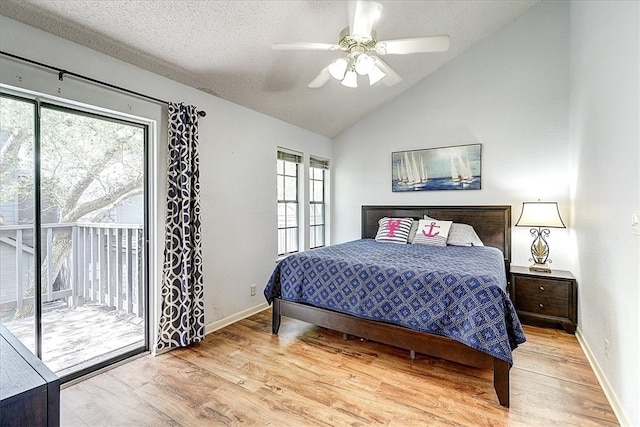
[
  {"x": 463, "y": 235},
  {"x": 394, "y": 230},
  {"x": 432, "y": 232},
  {"x": 412, "y": 232}
]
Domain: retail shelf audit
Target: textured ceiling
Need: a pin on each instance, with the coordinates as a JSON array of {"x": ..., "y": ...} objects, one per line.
[{"x": 224, "y": 47}]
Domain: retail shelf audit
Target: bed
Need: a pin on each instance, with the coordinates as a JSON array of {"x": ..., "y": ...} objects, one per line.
[{"x": 320, "y": 287}]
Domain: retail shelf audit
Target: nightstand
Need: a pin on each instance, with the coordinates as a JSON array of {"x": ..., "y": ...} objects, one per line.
[{"x": 549, "y": 299}]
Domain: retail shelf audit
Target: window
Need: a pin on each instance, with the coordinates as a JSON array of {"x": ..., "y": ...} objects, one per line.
[
  {"x": 287, "y": 176},
  {"x": 317, "y": 179}
]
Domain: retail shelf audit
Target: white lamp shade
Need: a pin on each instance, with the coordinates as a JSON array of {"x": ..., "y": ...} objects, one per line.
[
  {"x": 540, "y": 214},
  {"x": 350, "y": 79},
  {"x": 364, "y": 64},
  {"x": 375, "y": 75},
  {"x": 337, "y": 68}
]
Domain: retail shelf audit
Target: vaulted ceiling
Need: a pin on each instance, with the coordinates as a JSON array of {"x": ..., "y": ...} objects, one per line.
[{"x": 224, "y": 47}]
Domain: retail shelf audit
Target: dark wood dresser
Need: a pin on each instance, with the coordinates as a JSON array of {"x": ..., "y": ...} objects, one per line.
[
  {"x": 549, "y": 299},
  {"x": 29, "y": 391}
]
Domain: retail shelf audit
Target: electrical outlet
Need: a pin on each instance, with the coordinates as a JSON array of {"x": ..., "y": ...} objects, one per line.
[
  {"x": 635, "y": 224},
  {"x": 606, "y": 348},
  {"x": 253, "y": 290}
]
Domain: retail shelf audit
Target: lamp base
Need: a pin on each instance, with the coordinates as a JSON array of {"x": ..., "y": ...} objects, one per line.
[{"x": 540, "y": 268}]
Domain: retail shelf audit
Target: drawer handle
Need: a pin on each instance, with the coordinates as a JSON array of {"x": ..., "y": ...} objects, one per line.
[
  {"x": 541, "y": 305},
  {"x": 542, "y": 288}
]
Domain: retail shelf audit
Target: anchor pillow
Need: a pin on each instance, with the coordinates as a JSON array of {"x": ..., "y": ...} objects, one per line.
[{"x": 432, "y": 232}]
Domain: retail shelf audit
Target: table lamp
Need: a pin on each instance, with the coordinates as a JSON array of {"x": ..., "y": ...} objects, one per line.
[{"x": 540, "y": 216}]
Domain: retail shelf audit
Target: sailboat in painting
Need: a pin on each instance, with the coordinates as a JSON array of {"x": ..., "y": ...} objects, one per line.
[
  {"x": 465, "y": 173},
  {"x": 461, "y": 170},
  {"x": 454, "y": 172},
  {"x": 410, "y": 170},
  {"x": 468, "y": 170},
  {"x": 399, "y": 172},
  {"x": 424, "y": 175},
  {"x": 403, "y": 171}
]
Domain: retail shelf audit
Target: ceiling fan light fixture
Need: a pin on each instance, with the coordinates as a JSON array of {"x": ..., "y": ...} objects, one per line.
[
  {"x": 375, "y": 75},
  {"x": 364, "y": 64},
  {"x": 338, "y": 68},
  {"x": 360, "y": 47},
  {"x": 350, "y": 79}
]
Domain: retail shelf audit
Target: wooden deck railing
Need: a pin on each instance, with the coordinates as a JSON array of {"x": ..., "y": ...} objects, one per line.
[{"x": 104, "y": 264}]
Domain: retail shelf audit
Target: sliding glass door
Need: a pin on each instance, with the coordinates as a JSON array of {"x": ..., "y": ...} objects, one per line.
[
  {"x": 74, "y": 234},
  {"x": 17, "y": 219}
]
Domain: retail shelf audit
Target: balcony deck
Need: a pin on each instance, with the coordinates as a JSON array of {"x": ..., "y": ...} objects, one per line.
[
  {"x": 93, "y": 306},
  {"x": 77, "y": 336}
]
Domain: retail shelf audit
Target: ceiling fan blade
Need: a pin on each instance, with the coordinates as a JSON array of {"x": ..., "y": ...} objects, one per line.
[
  {"x": 305, "y": 46},
  {"x": 321, "y": 79},
  {"x": 414, "y": 45},
  {"x": 391, "y": 77},
  {"x": 363, "y": 16}
]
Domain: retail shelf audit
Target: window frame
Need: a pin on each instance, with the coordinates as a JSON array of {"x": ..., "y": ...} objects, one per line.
[
  {"x": 316, "y": 163},
  {"x": 285, "y": 243}
]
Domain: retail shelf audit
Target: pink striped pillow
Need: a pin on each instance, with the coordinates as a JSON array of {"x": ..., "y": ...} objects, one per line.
[{"x": 394, "y": 230}]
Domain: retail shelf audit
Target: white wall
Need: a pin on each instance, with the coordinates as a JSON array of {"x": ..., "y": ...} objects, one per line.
[
  {"x": 605, "y": 140},
  {"x": 238, "y": 159},
  {"x": 510, "y": 92}
]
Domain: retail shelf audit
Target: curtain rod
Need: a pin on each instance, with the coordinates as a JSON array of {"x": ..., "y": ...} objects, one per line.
[{"x": 62, "y": 72}]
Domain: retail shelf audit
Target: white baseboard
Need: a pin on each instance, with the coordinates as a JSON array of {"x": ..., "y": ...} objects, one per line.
[
  {"x": 219, "y": 324},
  {"x": 604, "y": 383}
]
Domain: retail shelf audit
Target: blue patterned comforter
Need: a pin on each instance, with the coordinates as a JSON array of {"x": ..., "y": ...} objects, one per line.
[{"x": 456, "y": 292}]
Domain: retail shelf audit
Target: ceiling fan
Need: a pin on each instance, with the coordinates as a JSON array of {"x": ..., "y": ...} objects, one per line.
[{"x": 359, "y": 41}]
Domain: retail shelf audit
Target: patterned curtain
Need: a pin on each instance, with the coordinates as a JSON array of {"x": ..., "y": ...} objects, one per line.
[{"x": 182, "y": 312}]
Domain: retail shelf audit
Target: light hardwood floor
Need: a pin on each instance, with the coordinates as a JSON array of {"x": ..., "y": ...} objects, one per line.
[{"x": 308, "y": 376}]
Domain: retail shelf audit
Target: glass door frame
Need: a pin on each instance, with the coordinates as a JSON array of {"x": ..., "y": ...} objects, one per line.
[{"x": 39, "y": 101}]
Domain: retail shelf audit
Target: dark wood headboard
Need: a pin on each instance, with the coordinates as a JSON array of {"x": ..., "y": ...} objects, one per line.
[{"x": 492, "y": 223}]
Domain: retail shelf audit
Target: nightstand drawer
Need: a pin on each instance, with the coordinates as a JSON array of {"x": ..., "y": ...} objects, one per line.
[
  {"x": 534, "y": 289},
  {"x": 549, "y": 307}
]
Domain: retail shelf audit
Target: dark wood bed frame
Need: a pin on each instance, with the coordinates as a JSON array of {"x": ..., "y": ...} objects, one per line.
[{"x": 493, "y": 225}]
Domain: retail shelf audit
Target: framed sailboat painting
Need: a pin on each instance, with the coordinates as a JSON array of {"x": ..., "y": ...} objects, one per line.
[{"x": 443, "y": 168}]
